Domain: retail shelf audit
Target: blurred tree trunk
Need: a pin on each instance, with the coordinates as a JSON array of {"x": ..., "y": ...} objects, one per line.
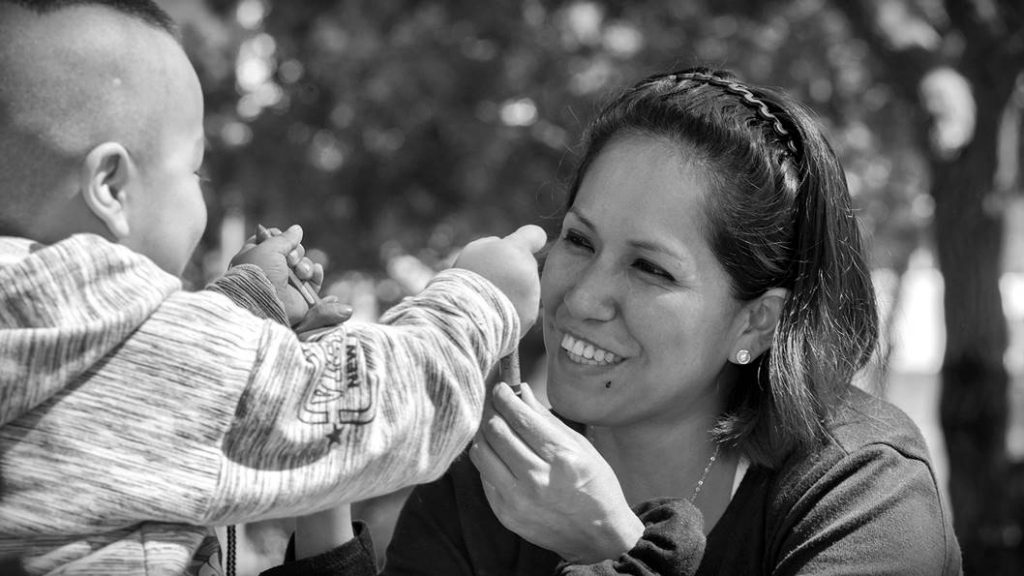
[
  {"x": 968, "y": 226},
  {"x": 975, "y": 395},
  {"x": 975, "y": 383}
]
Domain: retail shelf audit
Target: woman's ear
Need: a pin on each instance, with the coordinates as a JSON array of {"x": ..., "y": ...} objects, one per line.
[
  {"x": 106, "y": 173},
  {"x": 761, "y": 315}
]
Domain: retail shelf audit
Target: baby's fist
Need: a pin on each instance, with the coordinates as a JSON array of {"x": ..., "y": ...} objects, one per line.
[{"x": 509, "y": 263}]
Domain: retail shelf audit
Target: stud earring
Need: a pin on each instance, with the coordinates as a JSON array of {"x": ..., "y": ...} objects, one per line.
[{"x": 742, "y": 357}]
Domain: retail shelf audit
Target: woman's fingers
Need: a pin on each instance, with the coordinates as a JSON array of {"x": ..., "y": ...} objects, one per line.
[
  {"x": 492, "y": 469},
  {"x": 526, "y": 395},
  {"x": 533, "y": 423},
  {"x": 517, "y": 456}
]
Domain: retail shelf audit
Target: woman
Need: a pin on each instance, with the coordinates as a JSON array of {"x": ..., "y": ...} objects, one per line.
[{"x": 705, "y": 308}]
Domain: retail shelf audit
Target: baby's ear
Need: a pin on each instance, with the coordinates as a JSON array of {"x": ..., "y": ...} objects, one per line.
[{"x": 106, "y": 173}]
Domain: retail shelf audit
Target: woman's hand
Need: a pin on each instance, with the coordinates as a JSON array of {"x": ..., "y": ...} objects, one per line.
[{"x": 548, "y": 484}]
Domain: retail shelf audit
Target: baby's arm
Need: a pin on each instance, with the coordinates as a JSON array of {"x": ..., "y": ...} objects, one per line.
[
  {"x": 384, "y": 406},
  {"x": 367, "y": 408},
  {"x": 319, "y": 533},
  {"x": 508, "y": 263},
  {"x": 290, "y": 283},
  {"x": 203, "y": 413}
]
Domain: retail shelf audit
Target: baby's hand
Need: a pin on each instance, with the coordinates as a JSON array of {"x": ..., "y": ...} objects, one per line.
[
  {"x": 280, "y": 255},
  {"x": 322, "y": 316},
  {"x": 509, "y": 263}
]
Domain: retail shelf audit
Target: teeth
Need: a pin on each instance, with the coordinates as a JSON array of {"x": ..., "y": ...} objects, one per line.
[{"x": 586, "y": 353}]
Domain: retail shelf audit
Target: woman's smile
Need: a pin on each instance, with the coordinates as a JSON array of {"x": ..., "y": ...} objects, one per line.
[{"x": 583, "y": 352}]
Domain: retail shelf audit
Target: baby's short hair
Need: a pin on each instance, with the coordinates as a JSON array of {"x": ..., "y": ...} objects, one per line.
[
  {"x": 144, "y": 10},
  {"x": 46, "y": 121}
]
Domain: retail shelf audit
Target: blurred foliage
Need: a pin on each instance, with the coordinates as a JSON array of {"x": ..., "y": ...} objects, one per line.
[{"x": 409, "y": 127}]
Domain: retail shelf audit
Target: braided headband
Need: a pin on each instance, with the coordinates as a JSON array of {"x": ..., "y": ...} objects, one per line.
[{"x": 747, "y": 97}]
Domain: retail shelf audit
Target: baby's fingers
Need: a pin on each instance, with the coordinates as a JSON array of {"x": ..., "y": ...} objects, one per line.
[
  {"x": 530, "y": 236},
  {"x": 327, "y": 313},
  {"x": 296, "y": 256},
  {"x": 306, "y": 270},
  {"x": 317, "y": 279}
]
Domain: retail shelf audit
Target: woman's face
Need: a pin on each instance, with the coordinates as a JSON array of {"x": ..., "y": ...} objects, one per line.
[{"x": 639, "y": 318}]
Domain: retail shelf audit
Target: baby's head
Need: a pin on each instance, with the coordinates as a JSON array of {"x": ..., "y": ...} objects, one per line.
[{"x": 101, "y": 127}]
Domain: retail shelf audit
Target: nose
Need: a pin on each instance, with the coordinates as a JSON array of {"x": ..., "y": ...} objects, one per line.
[{"x": 591, "y": 296}]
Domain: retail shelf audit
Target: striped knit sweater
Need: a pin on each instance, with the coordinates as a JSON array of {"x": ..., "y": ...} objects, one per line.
[{"x": 134, "y": 414}]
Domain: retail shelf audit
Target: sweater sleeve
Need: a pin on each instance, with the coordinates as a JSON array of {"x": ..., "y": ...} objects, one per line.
[
  {"x": 874, "y": 512},
  {"x": 247, "y": 286},
  {"x": 363, "y": 409},
  {"x": 205, "y": 414},
  {"x": 672, "y": 544}
]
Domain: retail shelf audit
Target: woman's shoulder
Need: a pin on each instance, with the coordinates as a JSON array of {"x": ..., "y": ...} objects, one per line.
[
  {"x": 870, "y": 485},
  {"x": 862, "y": 419},
  {"x": 862, "y": 431}
]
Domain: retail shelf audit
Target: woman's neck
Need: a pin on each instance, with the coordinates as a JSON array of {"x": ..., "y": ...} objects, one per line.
[
  {"x": 656, "y": 460},
  {"x": 667, "y": 461}
]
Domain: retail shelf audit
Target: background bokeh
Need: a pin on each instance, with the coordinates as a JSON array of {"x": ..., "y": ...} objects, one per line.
[{"x": 395, "y": 131}]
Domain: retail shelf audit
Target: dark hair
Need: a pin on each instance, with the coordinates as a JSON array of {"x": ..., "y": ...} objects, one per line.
[
  {"x": 144, "y": 10},
  {"x": 780, "y": 215}
]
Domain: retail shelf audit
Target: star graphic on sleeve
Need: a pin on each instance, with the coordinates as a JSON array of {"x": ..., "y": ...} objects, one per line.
[{"x": 335, "y": 436}]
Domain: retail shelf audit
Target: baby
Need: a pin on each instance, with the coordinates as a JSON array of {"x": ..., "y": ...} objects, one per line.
[{"x": 136, "y": 415}]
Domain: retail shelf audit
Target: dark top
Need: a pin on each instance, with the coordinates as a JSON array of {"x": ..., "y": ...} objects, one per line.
[
  {"x": 353, "y": 558},
  {"x": 865, "y": 502}
]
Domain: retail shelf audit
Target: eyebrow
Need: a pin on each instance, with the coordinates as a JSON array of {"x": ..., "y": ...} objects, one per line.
[{"x": 646, "y": 245}]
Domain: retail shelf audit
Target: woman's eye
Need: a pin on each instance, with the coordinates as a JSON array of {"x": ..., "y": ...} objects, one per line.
[
  {"x": 653, "y": 269},
  {"x": 576, "y": 239}
]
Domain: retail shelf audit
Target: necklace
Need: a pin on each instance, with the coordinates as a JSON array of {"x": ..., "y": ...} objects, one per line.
[
  {"x": 700, "y": 483},
  {"x": 703, "y": 476}
]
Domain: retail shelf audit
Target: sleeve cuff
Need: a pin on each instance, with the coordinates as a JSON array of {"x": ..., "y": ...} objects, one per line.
[
  {"x": 672, "y": 543},
  {"x": 247, "y": 286},
  {"x": 493, "y": 296},
  {"x": 353, "y": 558}
]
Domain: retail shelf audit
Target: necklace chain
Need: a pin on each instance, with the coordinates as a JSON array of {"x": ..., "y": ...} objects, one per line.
[{"x": 703, "y": 476}]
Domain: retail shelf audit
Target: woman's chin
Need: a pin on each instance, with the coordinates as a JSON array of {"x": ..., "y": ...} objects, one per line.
[{"x": 575, "y": 403}]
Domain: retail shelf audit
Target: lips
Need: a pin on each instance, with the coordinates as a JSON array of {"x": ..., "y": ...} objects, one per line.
[{"x": 583, "y": 352}]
